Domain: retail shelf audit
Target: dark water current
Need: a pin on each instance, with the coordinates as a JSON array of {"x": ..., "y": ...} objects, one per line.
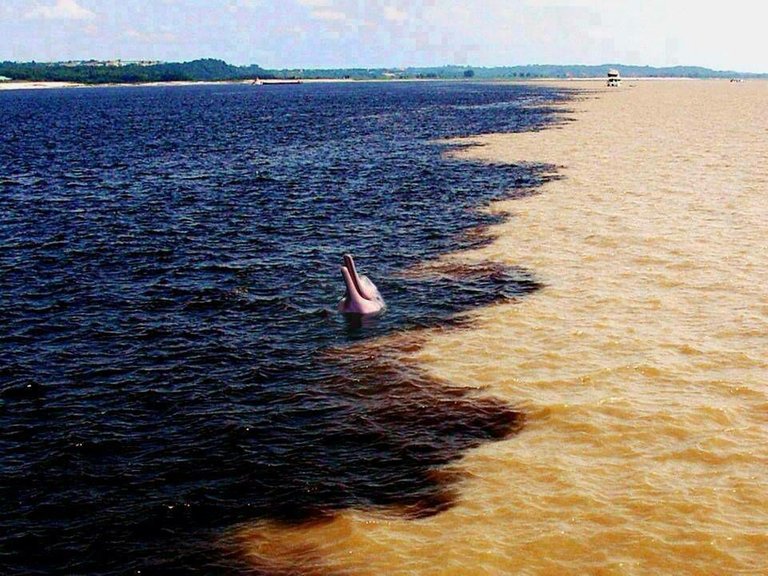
[{"x": 169, "y": 271}]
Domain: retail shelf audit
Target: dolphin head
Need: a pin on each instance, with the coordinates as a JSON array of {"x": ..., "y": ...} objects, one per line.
[{"x": 362, "y": 296}]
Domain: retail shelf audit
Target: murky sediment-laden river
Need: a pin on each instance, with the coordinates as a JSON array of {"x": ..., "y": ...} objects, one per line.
[{"x": 641, "y": 366}]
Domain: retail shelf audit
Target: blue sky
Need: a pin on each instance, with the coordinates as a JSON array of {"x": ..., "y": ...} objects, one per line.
[{"x": 391, "y": 33}]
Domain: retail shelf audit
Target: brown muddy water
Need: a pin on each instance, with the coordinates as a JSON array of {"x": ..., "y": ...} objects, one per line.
[{"x": 640, "y": 366}]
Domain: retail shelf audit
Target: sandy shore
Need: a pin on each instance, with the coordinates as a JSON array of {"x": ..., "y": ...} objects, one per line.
[
  {"x": 54, "y": 85},
  {"x": 641, "y": 364},
  {"x": 37, "y": 85}
]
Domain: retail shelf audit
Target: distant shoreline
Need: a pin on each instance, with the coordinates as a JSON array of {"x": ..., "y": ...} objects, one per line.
[
  {"x": 42, "y": 85},
  {"x": 45, "y": 85},
  {"x": 31, "y": 85},
  {"x": 204, "y": 70}
]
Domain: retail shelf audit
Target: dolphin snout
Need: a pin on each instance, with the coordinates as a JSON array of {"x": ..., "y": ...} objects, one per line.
[{"x": 362, "y": 296}]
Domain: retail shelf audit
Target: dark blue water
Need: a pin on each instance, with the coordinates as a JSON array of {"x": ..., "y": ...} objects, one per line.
[{"x": 171, "y": 358}]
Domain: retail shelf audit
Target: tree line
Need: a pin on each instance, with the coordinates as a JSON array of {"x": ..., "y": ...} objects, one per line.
[
  {"x": 210, "y": 69},
  {"x": 198, "y": 70}
]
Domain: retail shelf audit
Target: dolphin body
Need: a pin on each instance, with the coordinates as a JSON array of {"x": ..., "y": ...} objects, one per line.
[{"x": 362, "y": 296}]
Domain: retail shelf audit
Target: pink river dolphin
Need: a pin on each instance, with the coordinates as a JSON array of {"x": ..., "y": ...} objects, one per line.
[{"x": 362, "y": 296}]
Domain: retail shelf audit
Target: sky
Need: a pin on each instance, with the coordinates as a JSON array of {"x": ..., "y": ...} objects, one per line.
[{"x": 391, "y": 33}]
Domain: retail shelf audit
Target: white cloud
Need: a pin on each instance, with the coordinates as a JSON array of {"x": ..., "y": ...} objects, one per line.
[
  {"x": 61, "y": 10},
  {"x": 567, "y": 3},
  {"x": 392, "y": 14},
  {"x": 316, "y": 3},
  {"x": 295, "y": 30},
  {"x": 236, "y": 5},
  {"x": 150, "y": 37},
  {"x": 332, "y": 15}
]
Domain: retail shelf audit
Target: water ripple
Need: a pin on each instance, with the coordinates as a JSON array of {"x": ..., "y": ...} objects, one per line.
[{"x": 169, "y": 276}]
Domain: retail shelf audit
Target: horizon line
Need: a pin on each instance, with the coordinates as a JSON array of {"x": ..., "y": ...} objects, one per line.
[{"x": 150, "y": 61}]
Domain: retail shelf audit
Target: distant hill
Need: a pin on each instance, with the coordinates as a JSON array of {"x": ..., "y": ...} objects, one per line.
[
  {"x": 209, "y": 69},
  {"x": 517, "y": 72}
]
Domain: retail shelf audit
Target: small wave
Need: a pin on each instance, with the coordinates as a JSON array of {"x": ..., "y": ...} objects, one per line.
[{"x": 176, "y": 361}]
